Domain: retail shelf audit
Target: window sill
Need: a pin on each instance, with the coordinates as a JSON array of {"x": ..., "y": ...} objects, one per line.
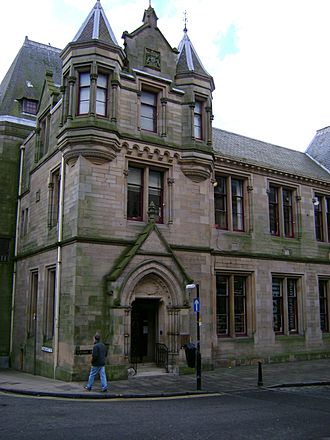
[
  {"x": 238, "y": 339},
  {"x": 289, "y": 338}
]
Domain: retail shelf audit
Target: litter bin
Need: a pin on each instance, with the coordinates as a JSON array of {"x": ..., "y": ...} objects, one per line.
[{"x": 190, "y": 350}]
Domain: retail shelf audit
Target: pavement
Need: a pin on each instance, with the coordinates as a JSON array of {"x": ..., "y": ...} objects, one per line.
[{"x": 220, "y": 380}]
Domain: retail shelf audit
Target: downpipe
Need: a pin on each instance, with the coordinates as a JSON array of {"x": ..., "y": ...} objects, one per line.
[
  {"x": 58, "y": 268},
  {"x": 18, "y": 219}
]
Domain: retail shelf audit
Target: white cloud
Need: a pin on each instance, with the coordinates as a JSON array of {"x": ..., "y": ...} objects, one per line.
[{"x": 273, "y": 82}]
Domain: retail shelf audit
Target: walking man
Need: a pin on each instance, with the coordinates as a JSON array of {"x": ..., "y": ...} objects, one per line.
[{"x": 98, "y": 365}]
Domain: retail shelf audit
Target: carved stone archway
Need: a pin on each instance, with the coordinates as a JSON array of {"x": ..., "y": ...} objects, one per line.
[{"x": 155, "y": 282}]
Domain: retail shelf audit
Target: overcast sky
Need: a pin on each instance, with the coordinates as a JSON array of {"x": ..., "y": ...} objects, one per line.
[{"x": 269, "y": 58}]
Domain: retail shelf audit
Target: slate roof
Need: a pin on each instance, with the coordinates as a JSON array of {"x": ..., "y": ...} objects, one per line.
[
  {"x": 25, "y": 77},
  {"x": 188, "y": 60},
  {"x": 319, "y": 148},
  {"x": 259, "y": 153},
  {"x": 96, "y": 27}
]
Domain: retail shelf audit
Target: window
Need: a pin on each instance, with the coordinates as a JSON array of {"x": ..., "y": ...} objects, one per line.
[
  {"x": 54, "y": 198},
  {"x": 281, "y": 217},
  {"x": 30, "y": 106},
  {"x": 24, "y": 222},
  {"x": 101, "y": 94},
  {"x": 287, "y": 212},
  {"x": 44, "y": 126},
  {"x": 324, "y": 297},
  {"x": 32, "y": 304},
  {"x": 237, "y": 204},
  {"x": 273, "y": 211},
  {"x": 144, "y": 185},
  {"x": 135, "y": 193},
  {"x": 50, "y": 303},
  {"x": 198, "y": 118},
  {"x": 84, "y": 92},
  {"x": 4, "y": 250},
  {"x": 100, "y": 88},
  {"x": 285, "y": 305},
  {"x": 148, "y": 111},
  {"x": 231, "y": 305},
  {"x": 322, "y": 217},
  {"x": 229, "y": 203}
]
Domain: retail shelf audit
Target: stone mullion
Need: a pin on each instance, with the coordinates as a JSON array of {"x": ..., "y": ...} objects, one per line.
[
  {"x": 164, "y": 117},
  {"x": 114, "y": 100},
  {"x": 248, "y": 206},
  {"x": 64, "y": 111},
  {"x": 208, "y": 134},
  {"x": 192, "y": 124},
  {"x": 229, "y": 204},
  {"x": 280, "y": 211},
  {"x": 170, "y": 183},
  {"x": 138, "y": 122},
  {"x": 324, "y": 220},
  {"x": 231, "y": 306},
  {"x": 92, "y": 99},
  {"x": 72, "y": 81},
  {"x": 285, "y": 308}
]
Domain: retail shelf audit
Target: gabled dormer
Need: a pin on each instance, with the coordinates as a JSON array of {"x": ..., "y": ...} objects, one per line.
[
  {"x": 49, "y": 97},
  {"x": 148, "y": 51}
]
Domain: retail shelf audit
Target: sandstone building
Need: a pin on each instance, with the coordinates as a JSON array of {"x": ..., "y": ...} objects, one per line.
[{"x": 126, "y": 194}]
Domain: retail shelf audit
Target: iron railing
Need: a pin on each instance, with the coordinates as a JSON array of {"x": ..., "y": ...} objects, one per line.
[{"x": 161, "y": 356}]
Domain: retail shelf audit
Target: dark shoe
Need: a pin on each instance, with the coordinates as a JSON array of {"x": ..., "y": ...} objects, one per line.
[
  {"x": 105, "y": 390},
  {"x": 87, "y": 389}
]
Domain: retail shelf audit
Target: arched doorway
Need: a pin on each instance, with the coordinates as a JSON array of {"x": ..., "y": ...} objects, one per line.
[
  {"x": 144, "y": 329},
  {"x": 155, "y": 315}
]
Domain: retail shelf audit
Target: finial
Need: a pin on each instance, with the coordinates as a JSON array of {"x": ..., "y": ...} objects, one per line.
[
  {"x": 152, "y": 212},
  {"x": 149, "y": 3},
  {"x": 185, "y": 22}
]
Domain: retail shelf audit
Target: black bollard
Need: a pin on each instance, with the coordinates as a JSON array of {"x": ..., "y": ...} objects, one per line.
[{"x": 260, "y": 382}]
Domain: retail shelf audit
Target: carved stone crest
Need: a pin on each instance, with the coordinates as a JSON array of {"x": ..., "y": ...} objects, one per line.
[{"x": 152, "y": 59}]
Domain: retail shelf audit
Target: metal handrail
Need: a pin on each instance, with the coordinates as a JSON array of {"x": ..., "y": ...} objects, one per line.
[{"x": 161, "y": 356}]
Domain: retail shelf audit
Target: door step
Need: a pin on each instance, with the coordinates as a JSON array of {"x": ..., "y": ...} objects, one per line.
[{"x": 149, "y": 369}]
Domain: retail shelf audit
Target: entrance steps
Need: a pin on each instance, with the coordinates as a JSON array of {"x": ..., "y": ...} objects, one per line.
[{"x": 149, "y": 369}]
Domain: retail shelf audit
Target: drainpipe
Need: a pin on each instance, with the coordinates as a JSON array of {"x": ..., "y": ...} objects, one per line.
[
  {"x": 18, "y": 217},
  {"x": 58, "y": 267}
]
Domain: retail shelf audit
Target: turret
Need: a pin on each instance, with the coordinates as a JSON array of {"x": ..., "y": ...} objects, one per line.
[{"x": 91, "y": 65}]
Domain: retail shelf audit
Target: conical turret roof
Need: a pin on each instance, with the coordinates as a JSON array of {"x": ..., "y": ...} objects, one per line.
[
  {"x": 96, "y": 27},
  {"x": 188, "y": 60}
]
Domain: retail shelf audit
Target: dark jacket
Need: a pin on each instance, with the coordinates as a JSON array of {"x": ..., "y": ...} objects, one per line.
[{"x": 99, "y": 354}]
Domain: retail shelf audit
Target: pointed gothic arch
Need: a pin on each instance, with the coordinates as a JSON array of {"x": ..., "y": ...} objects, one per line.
[{"x": 159, "y": 281}]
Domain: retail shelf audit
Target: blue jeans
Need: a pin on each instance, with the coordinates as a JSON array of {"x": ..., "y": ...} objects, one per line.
[{"x": 93, "y": 372}]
